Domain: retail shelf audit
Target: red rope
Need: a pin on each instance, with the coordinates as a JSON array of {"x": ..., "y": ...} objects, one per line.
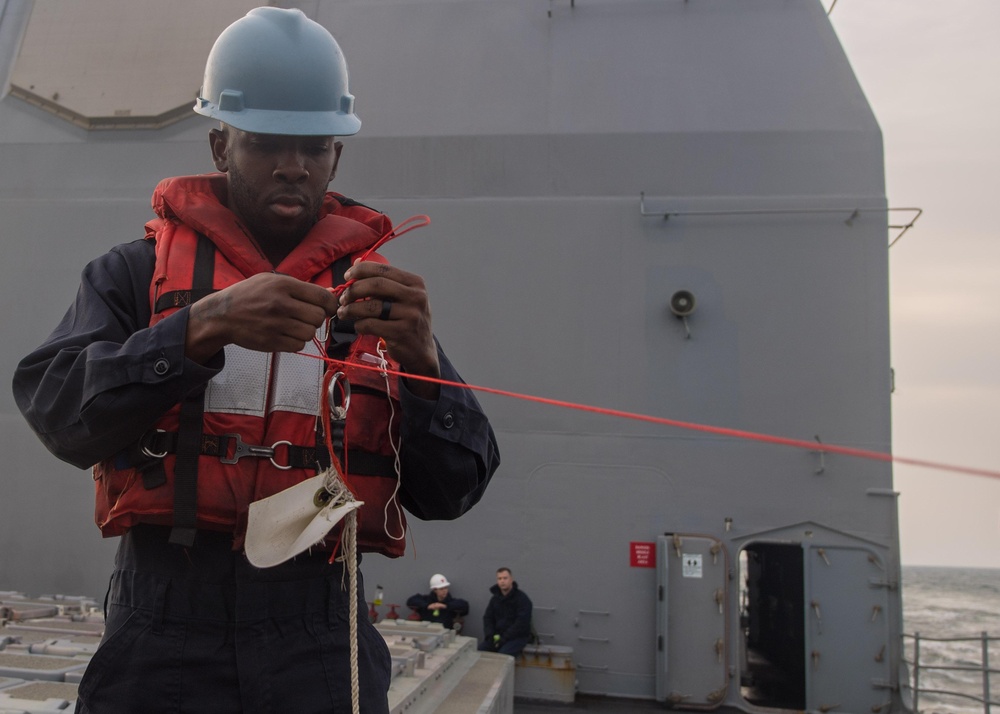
[
  {"x": 414, "y": 222},
  {"x": 327, "y": 431},
  {"x": 328, "y": 440},
  {"x": 420, "y": 221},
  {"x": 691, "y": 426},
  {"x": 411, "y": 223}
]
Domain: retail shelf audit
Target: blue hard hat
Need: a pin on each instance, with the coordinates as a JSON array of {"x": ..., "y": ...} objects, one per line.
[{"x": 275, "y": 71}]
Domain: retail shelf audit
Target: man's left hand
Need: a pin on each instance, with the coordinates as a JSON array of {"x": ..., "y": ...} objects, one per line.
[{"x": 404, "y": 324}]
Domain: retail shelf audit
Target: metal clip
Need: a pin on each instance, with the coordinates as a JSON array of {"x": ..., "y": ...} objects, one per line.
[
  {"x": 152, "y": 454},
  {"x": 339, "y": 411},
  {"x": 244, "y": 449},
  {"x": 261, "y": 452},
  {"x": 322, "y": 333},
  {"x": 283, "y": 467}
]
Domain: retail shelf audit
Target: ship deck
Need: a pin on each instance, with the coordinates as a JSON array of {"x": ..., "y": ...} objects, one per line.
[{"x": 588, "y": 703}]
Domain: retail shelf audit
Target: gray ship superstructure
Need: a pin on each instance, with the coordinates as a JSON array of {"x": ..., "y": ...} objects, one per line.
[{"x": 667, "y": 208}]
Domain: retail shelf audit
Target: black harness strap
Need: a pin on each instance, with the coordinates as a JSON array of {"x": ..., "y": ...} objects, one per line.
[
  {"x": 229, "y": 448},
  {"x": 190, "y": 422},
  {"x": 342, "y": 332}
]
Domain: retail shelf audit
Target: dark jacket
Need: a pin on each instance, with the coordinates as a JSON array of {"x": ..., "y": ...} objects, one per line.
[
  {"x": 507, "y": 615},
  {"x": 455, "y": 607}
]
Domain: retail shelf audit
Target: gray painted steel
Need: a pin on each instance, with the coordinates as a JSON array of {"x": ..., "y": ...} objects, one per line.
[{"x": 527, "y": 130}]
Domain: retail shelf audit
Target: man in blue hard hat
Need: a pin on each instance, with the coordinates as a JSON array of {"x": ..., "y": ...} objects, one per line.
[{"x": 186, "y": 374}]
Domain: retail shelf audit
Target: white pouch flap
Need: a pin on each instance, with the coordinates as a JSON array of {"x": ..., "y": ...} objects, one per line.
[{"x": 281, "y": 526}]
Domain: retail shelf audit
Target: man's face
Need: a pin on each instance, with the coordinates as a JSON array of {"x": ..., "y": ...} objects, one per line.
[
  {"x": 504, "y": 581},
  {"x": 276, "y": 182},
  {"x": 441, "y": 593}
]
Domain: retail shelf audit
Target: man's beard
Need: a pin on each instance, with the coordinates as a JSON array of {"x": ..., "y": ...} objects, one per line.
[{"x": 250, "y": 209}]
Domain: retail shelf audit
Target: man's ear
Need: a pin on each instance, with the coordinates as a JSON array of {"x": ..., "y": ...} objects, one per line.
[
  {"x": 218, "y": 139},
  {"x": 338, "y": 146}
]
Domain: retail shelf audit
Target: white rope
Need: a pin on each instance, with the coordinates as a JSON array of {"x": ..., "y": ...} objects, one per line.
[
  {"x": 393, "y": 501},
  {"x": 351, "y": 555},
  {"x": 341, "y": 494}
]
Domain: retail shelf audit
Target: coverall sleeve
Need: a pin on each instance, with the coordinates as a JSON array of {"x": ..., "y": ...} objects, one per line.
[
  {"x": 489, "y": 622},
  {"x": 449, "y": 451},
  {"x": 417, "y": 602},
  {"x": 103, "y": 377},
  {"x": 459, "y": 606}
]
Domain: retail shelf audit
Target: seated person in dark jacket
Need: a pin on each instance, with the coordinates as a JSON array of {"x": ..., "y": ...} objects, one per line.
[
  {"x": 507, "y": 622},
  {"x": 438, "y": 605}
]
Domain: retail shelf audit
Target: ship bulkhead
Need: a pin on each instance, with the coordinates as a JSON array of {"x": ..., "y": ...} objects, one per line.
[{"x": 666, "y": 208}]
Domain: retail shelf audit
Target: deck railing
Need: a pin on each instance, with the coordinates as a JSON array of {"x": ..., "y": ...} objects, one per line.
[{"x": 983, "y": 668}]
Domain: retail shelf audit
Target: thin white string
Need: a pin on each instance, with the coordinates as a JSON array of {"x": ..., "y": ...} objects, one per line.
[{"x": 393, "y": 501}]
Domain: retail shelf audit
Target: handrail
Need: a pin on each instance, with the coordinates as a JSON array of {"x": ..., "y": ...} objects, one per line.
[
  {"x": 983, "y": 668},
  {"x": 854, "y": 213},
  {"x": 957, "y": 668},
  {"x": 973, "y": 697},
  {"x": 926, "y": 638}
]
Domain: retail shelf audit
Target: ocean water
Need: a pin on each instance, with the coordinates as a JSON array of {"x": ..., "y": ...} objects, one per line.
[{"x": 952, "y": 602}]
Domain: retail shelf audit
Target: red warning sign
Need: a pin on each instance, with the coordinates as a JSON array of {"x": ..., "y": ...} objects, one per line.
[{"x": 643, "y": 555}]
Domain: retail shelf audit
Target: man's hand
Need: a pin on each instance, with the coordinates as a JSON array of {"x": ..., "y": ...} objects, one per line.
[
  {"x": 404, "y": 324},
  {"x": 437, "y": 606},
  {"x": 267, "y": 312}
]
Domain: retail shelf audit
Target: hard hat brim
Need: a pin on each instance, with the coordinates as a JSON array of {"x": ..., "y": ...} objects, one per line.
[{"x": 290, "y": 123}]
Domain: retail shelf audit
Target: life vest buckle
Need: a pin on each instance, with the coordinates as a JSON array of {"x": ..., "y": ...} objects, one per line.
[{"x": 243, "y": 449}]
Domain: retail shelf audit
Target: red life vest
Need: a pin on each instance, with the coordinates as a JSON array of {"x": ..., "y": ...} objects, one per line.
[{"x": 259, "y": 431}]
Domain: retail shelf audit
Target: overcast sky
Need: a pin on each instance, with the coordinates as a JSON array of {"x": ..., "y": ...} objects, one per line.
[{"x": 931, "y": 71}]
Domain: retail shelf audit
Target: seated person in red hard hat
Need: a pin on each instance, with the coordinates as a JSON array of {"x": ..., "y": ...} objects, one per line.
[{"x": 438, "y": 605}]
